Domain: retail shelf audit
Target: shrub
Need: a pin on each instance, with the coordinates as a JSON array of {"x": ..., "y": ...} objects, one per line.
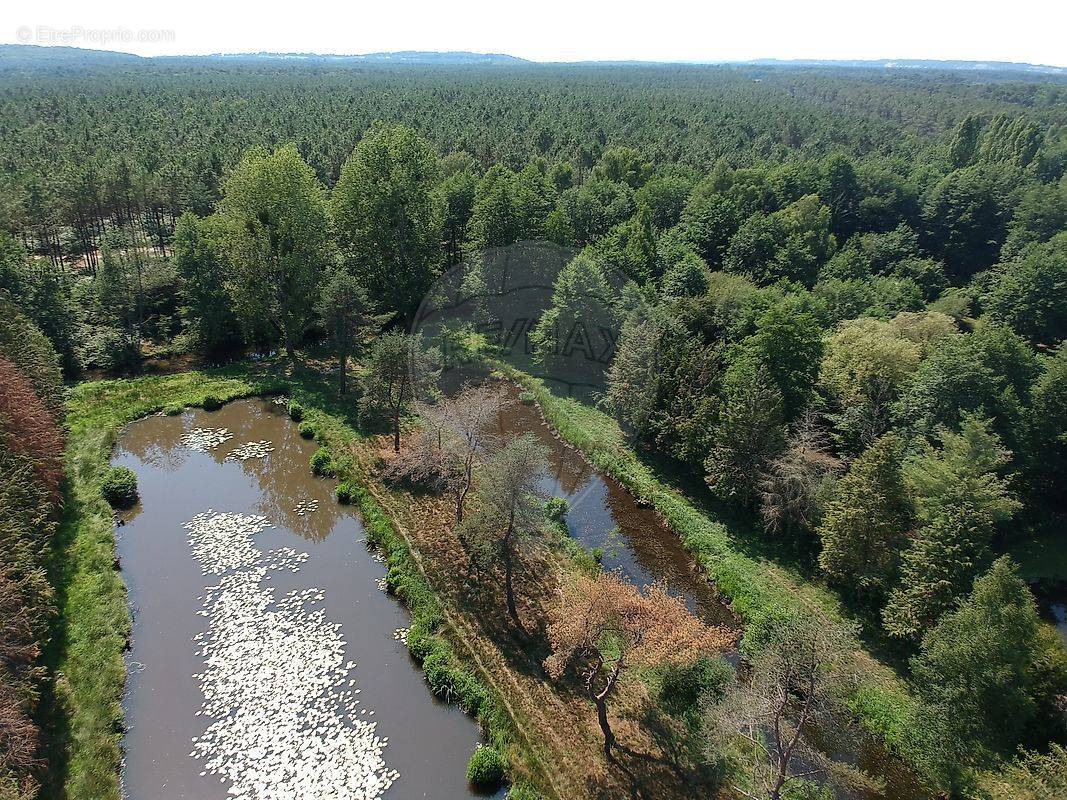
[
  {"x": 527, "y": 398},
  {"x": 469, "y": 691},
  {"x": 438, "y": 668},
  {"x": 486, "y": 768},
  {"x": 212, "y": 403},
  {"x": 345, "y": 493},
  {"x": 119, "y": 487},
  {"x": 296, "y": 412},
  {"x": 321, "y": 464},
  {"x": 307, "y": 430},
  {"x": 556, "y": 510},
  {"x": 173, "y": 409},
  {"x": 422, "y": 643}
]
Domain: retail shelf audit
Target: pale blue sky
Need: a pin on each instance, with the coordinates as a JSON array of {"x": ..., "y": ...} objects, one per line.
[{"x": 559, "y": 30}]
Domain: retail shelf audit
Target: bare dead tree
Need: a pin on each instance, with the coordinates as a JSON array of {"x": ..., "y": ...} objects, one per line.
[
  {"x": 795, "y": 482},
  {"x": 464, "y": 426},
  {"x": 796, "y": 679},
  {"x": 510, "y": 509}
]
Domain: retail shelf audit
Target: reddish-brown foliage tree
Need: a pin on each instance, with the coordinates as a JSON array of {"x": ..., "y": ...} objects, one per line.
[
  {"x": 28, "y": 429},
  {"x": 18, "y": 652},
  {"x": 603, "y": 626}
]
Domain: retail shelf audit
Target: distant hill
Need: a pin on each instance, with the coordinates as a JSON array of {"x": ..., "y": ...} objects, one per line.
[
  {"x": 17, "y": 57},
  {"x": 913, "y": 63},
  {"x": 399, "y": 57},
  {"x": 31, "y": 56},
  {"x": 27, "y": 56}
]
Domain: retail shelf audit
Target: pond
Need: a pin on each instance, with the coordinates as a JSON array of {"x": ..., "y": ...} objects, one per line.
[{"x": 266, "y": 659}]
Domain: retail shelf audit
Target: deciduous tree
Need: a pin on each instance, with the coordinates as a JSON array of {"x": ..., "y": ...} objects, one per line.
[{"x": 604, "y": 626}]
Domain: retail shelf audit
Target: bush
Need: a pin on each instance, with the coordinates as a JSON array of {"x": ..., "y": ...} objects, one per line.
[
  {"x": 296, "y": 412},
  {"x": 438, "y": 668},
  {"x": 422, "y": 643},
  {"x": 321, "y": 464},
  {"x": 527, "y": 398},
  {"x": 212, "y": 403},
  {"x": 307, "y": 430},
  {"x": 173, "y": 410},
  {"x": 486, "y": 768},
  {"x": 119, "y": 487},
  {"x": 345, "y": 493},
  {"x": 556, "y": 510}
]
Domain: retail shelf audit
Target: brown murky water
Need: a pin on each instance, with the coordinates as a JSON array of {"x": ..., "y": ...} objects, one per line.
[
  {"x": 603, "y": 514},
  {"x": 241, "y": 676}
]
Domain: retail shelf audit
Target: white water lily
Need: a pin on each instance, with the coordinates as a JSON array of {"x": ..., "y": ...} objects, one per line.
[
  {"x": 203, "y": 439},
  {"x": 249, "y": 450},
  {"x": 276, "y": 680}
]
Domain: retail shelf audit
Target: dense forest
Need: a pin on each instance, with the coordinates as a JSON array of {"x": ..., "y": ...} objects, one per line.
[{"x": 845, "y": 300}]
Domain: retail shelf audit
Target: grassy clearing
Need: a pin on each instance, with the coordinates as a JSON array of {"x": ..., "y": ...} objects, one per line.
[{"x": 758, "y": 588}]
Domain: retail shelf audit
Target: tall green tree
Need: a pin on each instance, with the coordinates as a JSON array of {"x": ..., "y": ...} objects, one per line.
[
  {"x": 344, "y": 310},
  {"x": 203, "y": 274},
  {"x": 974, "y": 674},
  {"x": 399, "y": 372},
  {"x": 960, "y": 497},
  {"x": 275, "y": 208},
  {"x": 388, "y": 217},
  {"x": 865, "y": 521},
  {"x": 748, "y": 432}
]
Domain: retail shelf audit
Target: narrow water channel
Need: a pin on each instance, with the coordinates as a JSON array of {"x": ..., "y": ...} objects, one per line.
[
  {"x": 266, "y": 660},
  {"x": 637, "y": 543}
]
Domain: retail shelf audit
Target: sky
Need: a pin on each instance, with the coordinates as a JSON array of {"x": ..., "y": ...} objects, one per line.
[{"x": 558, "y": 30}]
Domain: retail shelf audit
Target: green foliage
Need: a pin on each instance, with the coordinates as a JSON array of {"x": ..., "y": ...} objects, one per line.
[
  {"x": 566, "y": 338},
  {"x": 306, "y": 430},
  {"x": 119, "y": 487},
  {"x": 863, "y": 526},
  {"x": 959, "y": 499},
  {"x": 556, "y": 508},
  {"x": 749, "y": 431},
  {"x": 342, "y": 308},
  {"x": 486, "y": 768},
  {"x": 296, "y": 411},
  {"x": 276, "y": 220},
  {"x": 788, "y": 344},
  {"x": 198, "y": 248},
  {"x": 322, "y": 463},
  {"x": 345, "y": 493},
  {"x": 1029, "y": 294},
  {"x": 387, "y": 218},
  {"x": 212, "y": 402},
  {"x": 526, "y": 398},
  {"x": 173, "y": 409},
  {"x": 966, "y": 220},
  {"x": 974, "y": 673}
]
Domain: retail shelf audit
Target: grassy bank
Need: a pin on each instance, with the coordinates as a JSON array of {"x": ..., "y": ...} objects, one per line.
[
  {"x": 85, "y": 717},
  {"x": 758, "y": 589}
]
